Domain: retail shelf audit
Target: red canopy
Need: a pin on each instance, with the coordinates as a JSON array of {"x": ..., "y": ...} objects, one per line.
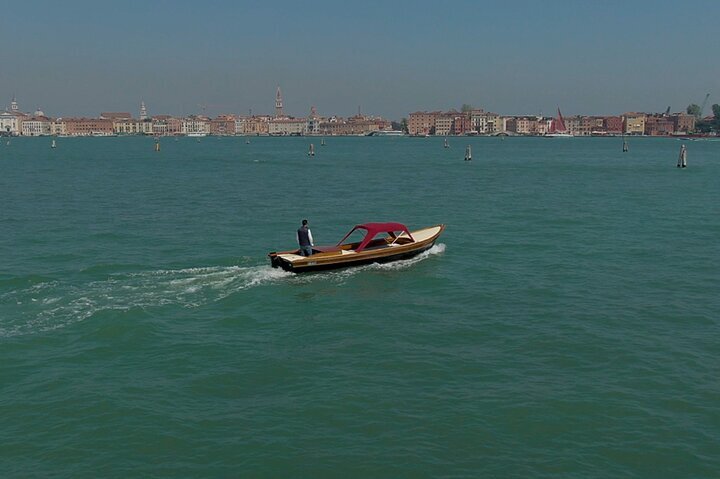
[{"x": 375, "y": 228}]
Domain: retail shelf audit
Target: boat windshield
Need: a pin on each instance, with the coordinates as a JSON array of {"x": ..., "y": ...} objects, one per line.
[{"x": 395, "y": 230}]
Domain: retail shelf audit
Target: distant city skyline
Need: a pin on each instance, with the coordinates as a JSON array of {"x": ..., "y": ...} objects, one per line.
[{"x": 80, "y": 58}]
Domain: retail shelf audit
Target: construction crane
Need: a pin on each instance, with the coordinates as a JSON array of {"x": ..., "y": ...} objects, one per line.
[{"x": 702, "y": 107}]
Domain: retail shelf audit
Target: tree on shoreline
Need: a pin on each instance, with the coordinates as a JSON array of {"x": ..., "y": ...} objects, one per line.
[
  {"x": 710, "y": 124},
  {"x": 694, "y": 110}
]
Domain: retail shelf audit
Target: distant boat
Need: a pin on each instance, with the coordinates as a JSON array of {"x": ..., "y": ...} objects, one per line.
[
  {"x": 468, "y": 153},
  {"x": 386, "y": 133},
  {"x": 322, "y": 142},
  {"x": 53, "y": 145},
  {"x": 197, "y": 134},
  {"x": 311, "y": 151},
  {"x": 557, "y": 128},
  {"x": 446, "y": 145}
]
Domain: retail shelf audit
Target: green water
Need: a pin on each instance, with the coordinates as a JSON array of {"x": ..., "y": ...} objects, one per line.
[{"x": 565, "y": 325}]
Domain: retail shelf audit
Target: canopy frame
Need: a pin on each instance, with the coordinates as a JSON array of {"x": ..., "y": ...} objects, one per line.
[{"x": 373, "y": 229}]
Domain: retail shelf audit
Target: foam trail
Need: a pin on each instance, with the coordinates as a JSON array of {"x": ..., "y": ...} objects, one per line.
[{"x": 53, "y": 304}]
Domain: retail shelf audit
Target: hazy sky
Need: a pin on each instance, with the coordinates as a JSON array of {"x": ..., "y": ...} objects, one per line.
[{"x": 388, "y": 57}]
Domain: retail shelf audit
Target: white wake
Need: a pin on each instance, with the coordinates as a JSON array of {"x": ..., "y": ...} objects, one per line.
[{"x": 54, "y": 304}]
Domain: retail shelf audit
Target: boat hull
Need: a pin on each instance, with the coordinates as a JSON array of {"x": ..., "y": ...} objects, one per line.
[
  {"x": 337, "y": 260},
  {"x": 358, "y": 262}
]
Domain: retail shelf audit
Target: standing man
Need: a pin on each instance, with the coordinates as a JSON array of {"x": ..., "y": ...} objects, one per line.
[{"x": 305, "y": 239}]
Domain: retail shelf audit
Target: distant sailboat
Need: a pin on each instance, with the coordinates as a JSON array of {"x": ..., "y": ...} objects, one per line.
[
  {"x": 311, "y": 151},
  {"x": 468, "y": 153},
  {"x": 682, "y": 158},
  {"x": 557, "y": 128},
  {"x": 53, "y": 145},
  {"x": 446, "y": 145}
]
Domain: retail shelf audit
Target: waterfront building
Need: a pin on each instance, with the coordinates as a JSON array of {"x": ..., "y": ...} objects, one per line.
[
  {"x": 584, "y": 126},
  {"x": 542, "y": 125},
  {"x": 484, "y": 122},
  {"x": 683, "y": 123},
  {"x": 634, "y": 123},
  {"x": 174, "y": 125},
  {"x": 572, "y": 124},
  {"x": 494, "y": 123},
  {"x": 443, "y": 124},
  {"x": 461, "y": 124},
  {"x": 147, "y": 126},
  {"x": 313, "y": 122},
  {"x": 256, "y": 125},
  {"x": 613, "y": 125},
  {"x": 353, "y": 126},
  {"x": 522, "y": 125},
  {"x": 88, "y": 126},
  {"x": 478, "y": 121},
  {"x": 162, "y": 125},
  {"x": 195, "y": 124},
  {"x": 597, "y": 125},
  {"x": 223, "y": 125},
  {"x": 159, "y": 126},
  {"x": 10, "y": 123},
  {"x": 287, "y": 126},
  {"x": 11, "y": 120},
  {"x": 365, "y": 125},
  {"x": 57, "y": 127},
  {"x": 36, "y": 125},
  {"x": 240, "y": 125},
  {"x": 127, "y": 126},
  {"x": 422, "y": 122},
  {"x": 658, "y": 125}
]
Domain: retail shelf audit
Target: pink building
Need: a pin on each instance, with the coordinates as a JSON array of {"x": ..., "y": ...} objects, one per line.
[
  {"x": 422, "y": 122},
  {"x": 613, "y": 124},
  {"x": 88, "y": 126},
  {"x": 222, "y": 125}
]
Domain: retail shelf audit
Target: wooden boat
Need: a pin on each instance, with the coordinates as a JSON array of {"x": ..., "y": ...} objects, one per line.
[{"x": 383, "y": 242}]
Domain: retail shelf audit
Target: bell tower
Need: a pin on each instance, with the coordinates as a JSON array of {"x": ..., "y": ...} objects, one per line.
[
  {"x": 278, "y": 103},
  {"x": 143, "y": 111}
]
